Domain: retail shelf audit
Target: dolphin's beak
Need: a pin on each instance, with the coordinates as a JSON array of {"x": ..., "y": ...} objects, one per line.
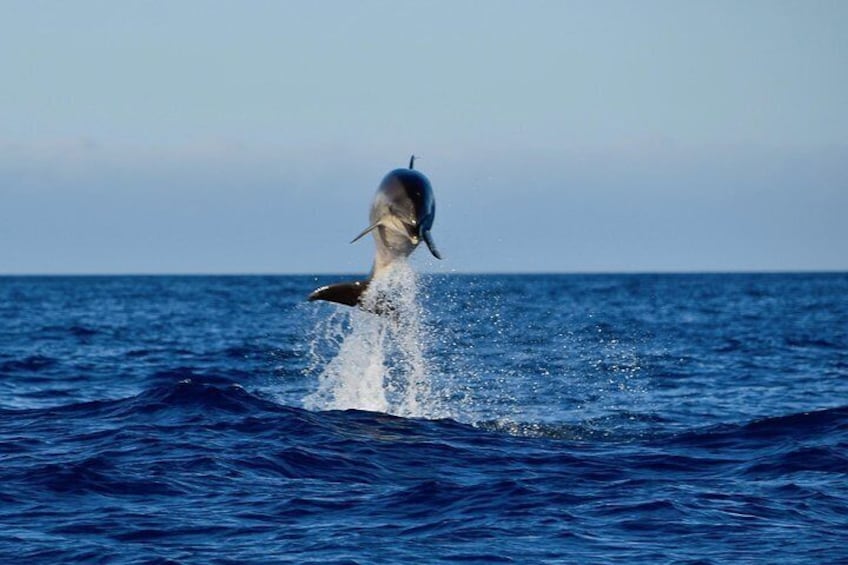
[{"x": 431, "y": 245}]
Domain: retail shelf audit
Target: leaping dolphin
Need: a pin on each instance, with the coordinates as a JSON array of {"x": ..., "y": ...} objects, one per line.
[{"x": 401, "y": 217}]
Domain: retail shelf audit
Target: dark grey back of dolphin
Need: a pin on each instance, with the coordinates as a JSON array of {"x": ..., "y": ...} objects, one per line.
[{"x": 420, "y": 193}]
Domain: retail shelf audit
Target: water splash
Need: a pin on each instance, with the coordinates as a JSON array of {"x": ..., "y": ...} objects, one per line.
[
  {"x": 375, "y": 362},
  {"x": 498, "y": 368}
]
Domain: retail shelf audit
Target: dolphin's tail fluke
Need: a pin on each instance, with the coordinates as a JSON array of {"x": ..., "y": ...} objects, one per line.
[{"x": 347, "y": 293}]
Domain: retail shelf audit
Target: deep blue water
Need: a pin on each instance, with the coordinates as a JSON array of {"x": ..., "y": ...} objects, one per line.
[{"x": 561, "y": 419}]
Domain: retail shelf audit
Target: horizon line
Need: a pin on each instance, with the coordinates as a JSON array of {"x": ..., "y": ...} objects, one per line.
[{"x": 450, "y": 273}]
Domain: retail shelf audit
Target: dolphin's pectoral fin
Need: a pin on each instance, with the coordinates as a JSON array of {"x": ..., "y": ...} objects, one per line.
[
  {"x": 347, "y": 293},
  {"x": 365, "y": 232},
  {"x": 431, "y": 245}
]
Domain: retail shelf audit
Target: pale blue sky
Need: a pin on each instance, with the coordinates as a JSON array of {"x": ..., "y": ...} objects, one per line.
[{"x": 214, "y": 137}]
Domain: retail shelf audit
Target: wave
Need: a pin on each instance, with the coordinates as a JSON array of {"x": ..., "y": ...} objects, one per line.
[
  {"x": 185, "y": 395},
  {"x": 768, "y": 431},
  {"x": 628, "y": 427},
  {"x": 191, "y": 440},
  {"x": 620, "y": 426},
  {"x": 31, "y": 364},
  {"x": 217, "y": 401}
]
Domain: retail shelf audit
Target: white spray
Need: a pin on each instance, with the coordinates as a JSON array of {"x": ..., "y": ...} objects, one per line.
[{"x": 375, "y": 362}]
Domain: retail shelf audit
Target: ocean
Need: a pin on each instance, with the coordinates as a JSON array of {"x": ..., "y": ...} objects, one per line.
[{"x": 697, "y": 418}]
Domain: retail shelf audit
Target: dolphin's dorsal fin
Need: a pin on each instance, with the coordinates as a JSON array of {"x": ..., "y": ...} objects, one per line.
[
  {"x": 411, "y": 162},
  {"x": 366, "y": 231}
]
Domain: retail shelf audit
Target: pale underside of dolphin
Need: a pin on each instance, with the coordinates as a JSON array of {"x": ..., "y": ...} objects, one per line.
[{"x": 401, "y": 217}]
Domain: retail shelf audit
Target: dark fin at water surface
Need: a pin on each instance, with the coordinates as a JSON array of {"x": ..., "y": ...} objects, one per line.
[{"x": 347, "y": 293}]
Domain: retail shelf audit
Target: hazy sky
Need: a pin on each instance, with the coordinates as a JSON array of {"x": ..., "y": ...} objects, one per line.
[{"x": 215, "y": 137}]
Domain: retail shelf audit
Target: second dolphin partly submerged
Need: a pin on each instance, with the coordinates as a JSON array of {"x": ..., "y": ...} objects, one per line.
[{"x": 401, "y": 217}]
